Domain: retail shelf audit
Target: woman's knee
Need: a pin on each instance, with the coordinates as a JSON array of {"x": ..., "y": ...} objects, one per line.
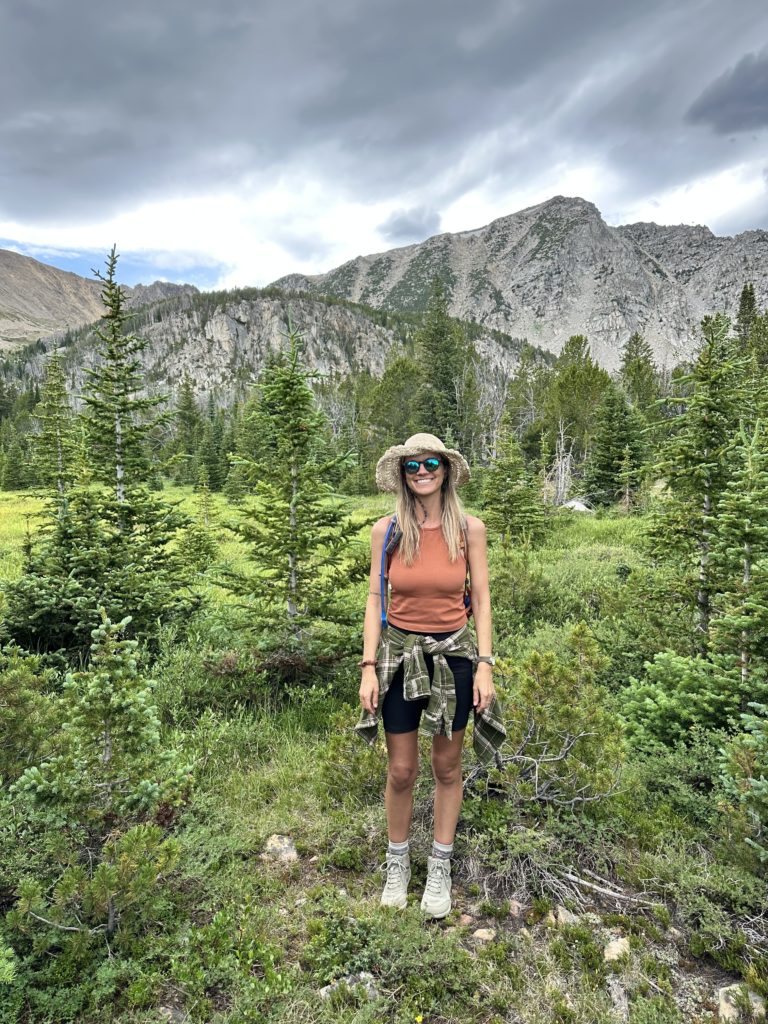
[
  {"x": 402, "y": 774},
  {"x": 446, "y": 765}
]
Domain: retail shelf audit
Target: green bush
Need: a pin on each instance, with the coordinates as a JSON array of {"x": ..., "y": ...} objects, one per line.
[
  {"x": 679, "y": 693},
  {"x": 350, "y": 770}
]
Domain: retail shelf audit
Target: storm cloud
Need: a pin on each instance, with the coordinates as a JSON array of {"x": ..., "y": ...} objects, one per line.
[
  {"x": 737, "y": 101},
  {"x": 414, "y": 109},
  {"x": 404, "y": 226}
]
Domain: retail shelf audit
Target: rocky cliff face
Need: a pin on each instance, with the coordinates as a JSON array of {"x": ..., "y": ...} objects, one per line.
[
  {"x": 222, "y": 343},
  {"x": 37, "y": 300},
  {"x": 558, "y": 269}
]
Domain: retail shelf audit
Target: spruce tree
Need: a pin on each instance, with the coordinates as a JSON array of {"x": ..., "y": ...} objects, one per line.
[
  {"x": 297, "y": 534},
  {"x": 54, "y": 444},
  {"x": 747, "y": 313},
  {"x": 740, "y": 559},
  {"x": 616, "y": 455},
  {"x": 511, "y": 505},
  {"x": 693, "y": 461},
  {"x": 109, "y": 544},
  {"x": 108, "y": 773},
  {"x": 448, "y": 397},
  {"x": 394, "y": 414},
  {"x": 574, "y": 392},
  {"x": 639, "y": 375},
  {"x": 117, "y": 417},
  {"x": 188, "y": 424}
]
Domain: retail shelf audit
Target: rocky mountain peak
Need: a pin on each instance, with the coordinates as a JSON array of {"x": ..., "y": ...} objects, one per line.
[{"x": 557, "y": 269}]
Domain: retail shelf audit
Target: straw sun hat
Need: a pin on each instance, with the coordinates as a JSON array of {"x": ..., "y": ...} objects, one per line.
[{"x": 388, "y": 466}]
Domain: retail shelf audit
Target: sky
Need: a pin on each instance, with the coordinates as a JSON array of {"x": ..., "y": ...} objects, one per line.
[{"x": 228, "y": 144}]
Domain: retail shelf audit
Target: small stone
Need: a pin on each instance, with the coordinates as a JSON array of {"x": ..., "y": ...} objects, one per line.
[
  {"x": 314, "y": 860},
  {"x": 616, "y": 949},
  {"x": 618, "y": 998},
  {"x": 466, "y": 919},
  {"x": 550, "y": 920},
  {"x": 363, "y": 980},
  {"x": 283, "y": 911},
  {"x": 564, "y": 916},
  {"x": 484, "y": 935},
  {"x": 280, "y": 848},
  {"x": 172, "y": 1015},
  {"x": 300, "y": 901},
  {"x": 728, "y": 1008},
  {"x": 516, "y": 909}
]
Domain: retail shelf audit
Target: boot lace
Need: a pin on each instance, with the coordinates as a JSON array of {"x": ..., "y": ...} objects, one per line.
[
  {"x": 436, "y": 876},
  {"x": 396, "y": 869}
]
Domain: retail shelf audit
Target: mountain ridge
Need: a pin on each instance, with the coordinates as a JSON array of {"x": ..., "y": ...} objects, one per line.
[
  {"x": 557, "y": 269},
  {"x": 38, "y": 300}
]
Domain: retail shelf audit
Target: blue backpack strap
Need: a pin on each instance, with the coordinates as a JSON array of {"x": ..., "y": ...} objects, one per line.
[{"x": 383, "y": 570}]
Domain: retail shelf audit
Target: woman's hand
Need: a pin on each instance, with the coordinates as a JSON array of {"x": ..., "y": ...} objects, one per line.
[
  {"x": 484, "y": 690},
  {"x": 369, "y": 689}
]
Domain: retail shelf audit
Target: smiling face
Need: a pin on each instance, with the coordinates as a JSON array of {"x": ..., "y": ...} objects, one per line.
[{"x": 425, "y": 481}]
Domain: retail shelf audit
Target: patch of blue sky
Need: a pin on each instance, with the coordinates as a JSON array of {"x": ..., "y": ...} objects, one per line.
[{"x": 132, "y": 268}]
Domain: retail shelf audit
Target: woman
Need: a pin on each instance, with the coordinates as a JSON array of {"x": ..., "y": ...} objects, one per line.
[{"x": 428, "y": 674}]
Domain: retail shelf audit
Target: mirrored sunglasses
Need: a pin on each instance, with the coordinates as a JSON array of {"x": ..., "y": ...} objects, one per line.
[{"x": 432, "y": 464}]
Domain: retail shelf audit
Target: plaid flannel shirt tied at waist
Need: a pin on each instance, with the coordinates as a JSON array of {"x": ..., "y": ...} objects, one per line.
[{"x": 408, "y": 649}]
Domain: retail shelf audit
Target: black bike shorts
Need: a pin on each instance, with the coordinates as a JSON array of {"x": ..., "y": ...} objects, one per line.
[{"x": 401, "y": 715}]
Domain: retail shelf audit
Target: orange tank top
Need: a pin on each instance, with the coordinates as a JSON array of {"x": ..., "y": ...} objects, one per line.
[{"x": 429, "y": 594}]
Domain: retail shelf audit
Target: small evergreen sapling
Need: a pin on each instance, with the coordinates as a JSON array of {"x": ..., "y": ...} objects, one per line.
[
  {"x": 110, "y": 772},
  {"x": 511, "y": 503}
]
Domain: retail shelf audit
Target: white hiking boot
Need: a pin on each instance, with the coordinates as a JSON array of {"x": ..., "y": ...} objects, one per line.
[
  {"x": 398, "y": 875},
  {"x": 436, "y": 901}
]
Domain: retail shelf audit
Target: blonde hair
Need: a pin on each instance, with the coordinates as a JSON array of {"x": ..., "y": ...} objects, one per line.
[{"x": 453, "y": 518}]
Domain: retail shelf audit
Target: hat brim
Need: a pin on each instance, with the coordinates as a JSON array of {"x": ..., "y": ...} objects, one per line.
[{"x": 388, "y": 466}]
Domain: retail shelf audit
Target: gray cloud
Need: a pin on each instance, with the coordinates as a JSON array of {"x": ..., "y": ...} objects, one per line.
[
  {"x": 100, "y": 109},
  {"x": 737, "y": 101},
  {"x": 413, "y": 225}
]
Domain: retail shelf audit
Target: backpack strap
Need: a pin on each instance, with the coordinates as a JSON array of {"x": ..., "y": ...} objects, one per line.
[{"x": 391, "y": 540}]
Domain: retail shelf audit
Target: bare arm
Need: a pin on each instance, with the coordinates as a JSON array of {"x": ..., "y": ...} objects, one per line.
[
  {"x": 369, "y": 685},
  {"x": 481, "y": 609}
]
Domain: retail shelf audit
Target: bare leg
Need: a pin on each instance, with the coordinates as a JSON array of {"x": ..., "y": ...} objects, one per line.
[
  {"x": 446, "y": 767},
  {"x": 403, "y": 751}
]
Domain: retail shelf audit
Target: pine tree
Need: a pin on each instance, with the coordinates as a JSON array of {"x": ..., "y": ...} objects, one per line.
[
  {"x": 575, "y": 390},
  {"x": 393, "y": 415},
  {"x": 117, "y": 420},
  {"x": 448, "y": 397},
  {"x": 297, "y": 534},
  {"x": 740, "y": 559},
  {"x": 511, "y": 503},
  {"x": 747, "y": 313},
  {"x": 188, "y": 429},
  {"x": 110, "y": 544},
  {"x": 694, "y": 464},
  {"x": 110, "y": 768},
  {"x": 14, "y": 460},
  {"x": 639, "y": 375},
  {"x": 616, "y": 455},
  {"x": 53, "y": 446}
]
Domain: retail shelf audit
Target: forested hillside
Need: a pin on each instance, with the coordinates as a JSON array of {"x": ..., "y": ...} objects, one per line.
[{"x": 189, "y": 827}]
